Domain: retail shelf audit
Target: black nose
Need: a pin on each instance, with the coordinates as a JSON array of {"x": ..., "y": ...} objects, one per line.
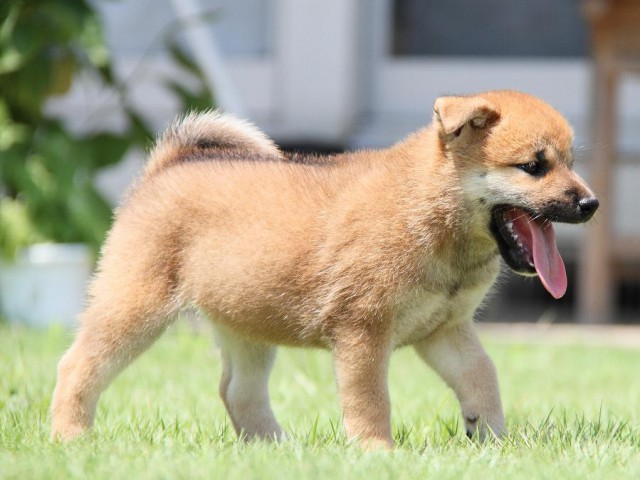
[{"x": 588, "y": 207}]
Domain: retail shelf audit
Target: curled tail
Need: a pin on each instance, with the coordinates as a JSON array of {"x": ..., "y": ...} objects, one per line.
[{"x": 207, "y": 130}]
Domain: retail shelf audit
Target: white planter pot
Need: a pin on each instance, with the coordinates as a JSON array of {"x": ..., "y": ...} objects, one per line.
[{"x": 46, "y": 284}]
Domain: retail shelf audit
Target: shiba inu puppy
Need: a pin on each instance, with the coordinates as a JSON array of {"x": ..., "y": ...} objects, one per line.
[{"x": 359, "y": 253}]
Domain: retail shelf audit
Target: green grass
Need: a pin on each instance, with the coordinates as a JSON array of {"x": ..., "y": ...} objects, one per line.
[{"x": 572, "y": 412}]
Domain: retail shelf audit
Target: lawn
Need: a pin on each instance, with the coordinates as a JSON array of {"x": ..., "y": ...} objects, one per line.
[{"x": 572, "y": 412}]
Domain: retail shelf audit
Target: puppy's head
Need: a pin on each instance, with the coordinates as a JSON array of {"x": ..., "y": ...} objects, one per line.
[{"x": 514, "y": 156}]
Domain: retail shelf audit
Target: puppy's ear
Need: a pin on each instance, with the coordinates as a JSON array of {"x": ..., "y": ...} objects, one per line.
[{"x": 454, "y": 112}]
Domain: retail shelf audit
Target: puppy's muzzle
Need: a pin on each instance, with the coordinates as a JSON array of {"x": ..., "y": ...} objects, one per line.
[{"x": 578, "y": 210}]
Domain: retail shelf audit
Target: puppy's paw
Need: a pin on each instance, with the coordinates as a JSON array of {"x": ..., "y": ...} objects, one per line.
[
  {"x": 68, "y": 432},
  {"x": 376, "y": 444},
  {"x": 484, "y": 427}
]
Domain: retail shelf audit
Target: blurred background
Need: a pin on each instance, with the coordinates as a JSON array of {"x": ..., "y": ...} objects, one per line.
[{"x": 85, "y": 86}]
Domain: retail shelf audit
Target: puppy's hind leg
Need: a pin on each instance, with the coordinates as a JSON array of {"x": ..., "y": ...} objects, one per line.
[
  {"x": 114, "y": 329},
  {"x": 244, "y": 386}
]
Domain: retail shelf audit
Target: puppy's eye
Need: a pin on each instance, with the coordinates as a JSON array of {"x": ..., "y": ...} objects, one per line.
[{"x": 537, "y": 167}]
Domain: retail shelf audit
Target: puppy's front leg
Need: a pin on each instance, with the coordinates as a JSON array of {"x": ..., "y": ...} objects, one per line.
[
  {"x": 459, "y": 358},
  {"x": 361, "y": 364}
]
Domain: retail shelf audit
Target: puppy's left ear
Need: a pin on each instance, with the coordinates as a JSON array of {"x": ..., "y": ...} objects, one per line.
[{"x": 454, "y": 112}]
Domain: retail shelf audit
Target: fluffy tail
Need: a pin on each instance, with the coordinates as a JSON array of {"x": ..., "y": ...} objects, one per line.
[{"x": 207, "y": 130}]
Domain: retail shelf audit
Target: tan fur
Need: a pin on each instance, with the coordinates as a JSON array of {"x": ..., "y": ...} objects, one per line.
[
  {"x": 359, "y": 253},
  {"x": 199, "y": 131}
]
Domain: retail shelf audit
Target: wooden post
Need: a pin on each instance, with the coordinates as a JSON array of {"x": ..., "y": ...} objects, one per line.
[{"x": 596, "y": 279}]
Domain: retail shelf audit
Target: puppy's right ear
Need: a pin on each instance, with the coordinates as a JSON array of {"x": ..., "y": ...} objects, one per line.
[{"x": 452, "y": 113}]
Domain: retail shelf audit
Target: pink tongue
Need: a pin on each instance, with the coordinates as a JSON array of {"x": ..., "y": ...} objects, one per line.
[{"x": 546, "y": 257}]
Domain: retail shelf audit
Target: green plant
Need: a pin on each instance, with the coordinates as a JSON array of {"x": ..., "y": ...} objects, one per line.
[{"x": 46, "y": 171}]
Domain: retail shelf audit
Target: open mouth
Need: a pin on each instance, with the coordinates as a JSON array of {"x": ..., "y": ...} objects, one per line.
[{"x": 527, "y": 242}]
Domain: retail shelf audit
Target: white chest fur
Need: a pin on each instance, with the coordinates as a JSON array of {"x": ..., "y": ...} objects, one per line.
[{"x": 421, "y": 312}]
